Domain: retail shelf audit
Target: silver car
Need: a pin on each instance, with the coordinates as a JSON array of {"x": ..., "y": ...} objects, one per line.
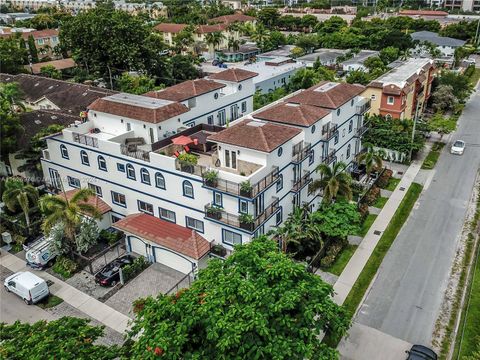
[{"x": 458, "y": 147}]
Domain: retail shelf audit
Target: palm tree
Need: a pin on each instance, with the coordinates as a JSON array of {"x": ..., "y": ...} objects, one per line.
[
  {"x": 18, "y": 194},
  {"x": 371, "y": 159},
  {"x": 70, "y": 212},
  {"x": 247, "y": 28},
  {"x": 214, "y": 39},
  {"x": 11, "y": 97},
  {"x": 260, "y": 35},
  {"x": 233, "y": 44},
  {"x": 333, "y": 181}
]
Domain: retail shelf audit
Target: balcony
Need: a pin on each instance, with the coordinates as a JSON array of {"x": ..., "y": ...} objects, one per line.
[
  {"x": 330, "y": 133},
  {"x": 329, "y": 158},
  {"x": 245, "y": 190},
  {"x": 362, "y": 109},
  {"x": 85, "y": 139},
  {"x": 135, "y": 152},
  {"x": 361, "y": 131},
  {"x": 298, "y": 185},
  {"x": 218, "y": 214},
  {"x": 300, "y": 152}
]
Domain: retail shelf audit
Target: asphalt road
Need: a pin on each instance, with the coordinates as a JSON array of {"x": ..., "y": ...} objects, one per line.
[{"x": 405, "y": 298}]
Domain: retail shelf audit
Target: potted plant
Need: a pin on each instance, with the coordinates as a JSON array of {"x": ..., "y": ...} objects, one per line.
[
  {"x": 214, "y": 212},
  {"x": 219, "y": 250},
  {"x": 187, "y": 162},
  {"x": 211, "y": 178},
  {"x": 246, "y": 188},
  {"x": 246, "y": 221}
]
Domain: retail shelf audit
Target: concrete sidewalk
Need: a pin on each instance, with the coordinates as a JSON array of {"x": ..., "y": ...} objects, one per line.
[
  {"x": 356, "y": 264},
  {"x": 83, "y": 302}
]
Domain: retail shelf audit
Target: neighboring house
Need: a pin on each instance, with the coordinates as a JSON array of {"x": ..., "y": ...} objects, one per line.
[
  {"x": 234, "y": 18},
  {"x": 61, "y": 64},
  {"x": 48, "y": 102},
  {"x": 327, "y": 57},
  {"x": 397, "y": 93},
  {"x": 244, "y": 52},
  {"x": 358, "y": 60},
  {"x": 446, "y": 45},
  {"x": 426, "y": 14},
  {"x": 131, "y": 149},
  {"x": 45, "y": 41},
  {"x": 32, "y": 4},
  {"x": 233, "y": 4},
  {"x": 10, "y": 18}
]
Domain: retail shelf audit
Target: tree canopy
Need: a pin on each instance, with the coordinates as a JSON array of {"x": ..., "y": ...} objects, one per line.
[
  {"x": 338, "y": 220},
  {"x": 258, "y": 303}
]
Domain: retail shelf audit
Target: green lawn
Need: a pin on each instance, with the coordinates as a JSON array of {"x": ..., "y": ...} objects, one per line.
[
  {"x": 361, "y": 285},
  {"x": 380, "y": 202},
  {"x": 49, "y": 302},
  {"x": 433, "y": 155},
  {"x": 367, "y": 224},
  {"x": 342, "y": 260},
  {"x": 475, "y": 77},
  {"x": 392, "y": 184}
]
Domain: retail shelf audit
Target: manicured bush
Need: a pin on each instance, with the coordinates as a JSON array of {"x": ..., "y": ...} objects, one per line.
[
  {"x": 132, "y": 270},
  {"x": 65, "y": 267},
  {"x": 382, "y": 181}
]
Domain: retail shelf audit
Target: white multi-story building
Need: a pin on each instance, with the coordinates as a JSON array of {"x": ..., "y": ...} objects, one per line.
[{"x": 131, "y": 150}]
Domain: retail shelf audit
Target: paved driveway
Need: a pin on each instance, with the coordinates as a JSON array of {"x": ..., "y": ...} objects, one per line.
[
  {"x": 405, "y": 298},
  {"x": 156, "y": 279}
]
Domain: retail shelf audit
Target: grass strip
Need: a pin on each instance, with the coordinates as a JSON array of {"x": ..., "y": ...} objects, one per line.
[
  {"x": 380, "y": 202},
  {"x": 475, "y": 77},
  {"x": 49, "y": 302},
  {"x": 367, "y": 224},
  {"x": 432, "y": 157},
  {"x": 342, "y": 260},
  {"x": 358, "y": 290},
  {"x": 392, "y": 184}
]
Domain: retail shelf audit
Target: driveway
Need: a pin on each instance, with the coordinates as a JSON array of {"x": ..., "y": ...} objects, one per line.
[
  {"x": 156, "y": 279},
  {"x": 405, "y": 298}
]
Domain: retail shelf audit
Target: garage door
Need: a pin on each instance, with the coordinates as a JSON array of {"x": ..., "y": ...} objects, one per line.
[
  {"x": 173, "y": 260},
  {"x": 137, "y": 246}
]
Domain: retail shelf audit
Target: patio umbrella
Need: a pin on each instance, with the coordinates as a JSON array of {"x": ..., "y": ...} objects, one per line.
[{"x": 182, "y": 140}]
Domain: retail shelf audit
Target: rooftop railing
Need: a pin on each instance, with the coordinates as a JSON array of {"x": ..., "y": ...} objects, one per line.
[
  {"x": 135, "y": 153},
  {"x": 85, "y": 140}
]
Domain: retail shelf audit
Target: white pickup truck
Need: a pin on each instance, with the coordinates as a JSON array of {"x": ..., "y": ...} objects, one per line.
[{"x": 40, "y": 253}]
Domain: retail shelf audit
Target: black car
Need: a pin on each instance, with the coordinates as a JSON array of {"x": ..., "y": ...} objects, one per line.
[
  {"x": 110, "y": 274},
  {"x": 420, "y": 352}
]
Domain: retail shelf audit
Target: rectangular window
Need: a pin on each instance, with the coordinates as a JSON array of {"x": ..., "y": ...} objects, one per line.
[
  {"x": 243, "y": 206},
  {"x": 280, "y": 183},
  {"x": 40, "y": 41},
  {"x": 390, "y": 100},
  {"x": 221, "y": 117},
  {"x": 373, "y": 97},
  {"x": 231, "y": 238},
  {"x": 336, "y": 139},
  {"x": 120, "y": 167},
  {"x": 119, "y": 199},
  {"x": 210, "y": 120},
  {"x": 194, "y": 224},
  {"x": 278, "y": 217},
  {"x": 166, "y": 214},
  {"x": 145, "y": 207},
  {"x": 227, "y": 158},
  {"x": 115, "y": 219},
  {"x": 244, "y": 106},
  {"x": 55, "y": 178},
  {"x": 234, "y": 160},
  {"x": 73, "y": 182},
  {"x": 217, "y": 199},
  {"x": 96, "y": 189}
]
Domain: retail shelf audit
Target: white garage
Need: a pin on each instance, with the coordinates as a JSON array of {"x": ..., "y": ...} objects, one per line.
[{"x": 161, "y": 241}]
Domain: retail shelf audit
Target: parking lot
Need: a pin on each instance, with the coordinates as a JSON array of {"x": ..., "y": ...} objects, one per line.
[{"x": 156, "y": 279}]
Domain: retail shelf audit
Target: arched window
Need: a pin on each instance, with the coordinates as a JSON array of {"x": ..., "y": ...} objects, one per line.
[
  {"x": 348, "y": 150},
  {"x": 130, "y": 172},
  {"x": 350, "y": 126},
  {"x": 84, "y": 157},
  {"x": 159, "y": 181},
  {"x": 187, "y": 189},
  {"x": 102, "y": 164},
  {"x": 64, "y": 151},
  {"x": 145, "y": 176}
]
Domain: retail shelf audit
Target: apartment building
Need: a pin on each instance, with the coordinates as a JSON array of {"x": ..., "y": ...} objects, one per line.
[
  {"x": 397, "y": 93},
  {"x": 246, "y": 175},
  {"x": 45, "y": 41}
]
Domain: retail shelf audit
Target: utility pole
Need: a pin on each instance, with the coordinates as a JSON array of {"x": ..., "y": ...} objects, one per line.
[{"x": 413, "y": 130}]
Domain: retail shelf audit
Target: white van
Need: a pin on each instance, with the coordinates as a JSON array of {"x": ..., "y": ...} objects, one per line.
[
  {"x": 28, "y": 286},
  {"x": 40, "y": 254}
]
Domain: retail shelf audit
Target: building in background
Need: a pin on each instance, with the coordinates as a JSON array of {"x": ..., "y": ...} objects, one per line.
[
  {"x": 445, "y": 45},
  {"x": 45, "y": 41},
  {"x": 397, "y": 93},
  {"x": 358, "y": 60},
  {"x": 327, "y": 57}
]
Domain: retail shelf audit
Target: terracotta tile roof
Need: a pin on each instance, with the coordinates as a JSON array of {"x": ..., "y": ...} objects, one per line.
[
  {"x": 96, "y": 201},
  {"x": 38, "y": 34},
  {"x": 328, "y": 94},
  {"x": 172, "y": 236},
  {"x": 233, "y": 75},
  {"x": 229, "y": 19},
  {"x": 170, "y": 28},
  {"x": 57, "y": 64},
  {"x": 392, "y": 90},
  {"x": 141, "y": 108},
  {"x": 256, "y": 135},
  {"x": 293, "y": 114},
  {"x": 205, "y": 29},
  {"x": 423, "y": 12},
  {"x": 186, "y": 90}
]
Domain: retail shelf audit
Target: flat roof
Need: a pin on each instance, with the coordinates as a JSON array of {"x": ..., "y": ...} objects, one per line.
[
  {"x": 266, "y": 72},
  {"x": 399, "y": 75},
  {"x": 323, "y": 55},
  {"x": 361, "y": 57},
  {"x": 138, "y": 100}
]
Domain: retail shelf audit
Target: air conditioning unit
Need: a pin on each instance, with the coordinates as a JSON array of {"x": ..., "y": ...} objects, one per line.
[{"x": 7, "y": 237}]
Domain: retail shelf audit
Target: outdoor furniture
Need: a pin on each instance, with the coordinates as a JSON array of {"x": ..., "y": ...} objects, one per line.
[{"x": 182, "y": 140}]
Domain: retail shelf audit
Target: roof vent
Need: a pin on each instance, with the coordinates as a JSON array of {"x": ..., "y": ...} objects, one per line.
[
  {"x": 50, "y": 87},
  {"x": 38, "y": 122},
  {"x": 255, "y": 123},
  {"x": 54, "y": 117},
  {"x": 85, "y": 93},
  {"x": 292, "y": 104}
]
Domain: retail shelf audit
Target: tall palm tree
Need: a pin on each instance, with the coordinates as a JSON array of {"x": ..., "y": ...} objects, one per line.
[
  {"x": 371, "y": 159},
  {"x": 333, "y": 181},
  {"x": 68, "y": 211},
  {"x": 233, "y": 44},
  {"x": 260, "y": 35},
  {"x": 214, "y": 39},
  {"x": 17, "y": 194}
]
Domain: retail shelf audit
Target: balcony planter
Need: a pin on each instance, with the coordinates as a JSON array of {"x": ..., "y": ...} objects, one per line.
[
  {"x": 246, "y": 189},
  {"x": 214, "y": 212},
  {"x": 187, "y": 162},
  {"x": 219, "y": 250},
  {"x": 211, "y": 178},
  {"x": 246, "y": 222}
]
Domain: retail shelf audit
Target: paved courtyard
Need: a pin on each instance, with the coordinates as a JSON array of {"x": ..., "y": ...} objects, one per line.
[{"x": 156, "y": 279}]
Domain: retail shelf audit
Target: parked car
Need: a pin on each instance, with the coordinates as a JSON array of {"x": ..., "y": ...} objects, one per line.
[
  {"x": 110, "y": 273},
  {"x": 28, "y": 286},
  {"x": 420, "y": 352},
  {"x": 40, "y": 253},
  {"x": 458, "y": 147}
]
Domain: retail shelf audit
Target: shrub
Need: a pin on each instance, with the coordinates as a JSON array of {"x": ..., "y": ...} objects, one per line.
[
  {"x": 372, "y": 195},
  {"x": 110, "y": 237},
  {"x": 65, "y": 267},
  {"x": 130, "y": 271},
  {"x": 189, "y": 159},
  {"x": 364, "y": 212},
  {"x": 332, "y": 253},
  {"x": 382, "y": 181}
]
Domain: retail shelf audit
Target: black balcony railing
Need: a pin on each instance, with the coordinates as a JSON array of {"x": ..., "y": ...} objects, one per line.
[
  {"x": 329, "y": 158},
  {"x": 218, "y": 214},
  {"x": 244, "y": 190},
  {"x": 362, "y": 109},
  {"x": 85, "y": 140},
  {"x": 361, "y": 131},
  {"x": 330, "y": 133},
  {"x": 300, "y": 153},
  {"x": 298, "y": 185},
  {"x": 135, "y": 153}
]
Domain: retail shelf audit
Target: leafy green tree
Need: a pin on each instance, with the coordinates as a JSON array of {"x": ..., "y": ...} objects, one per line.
[
  {"x": 460, "y": 83},
  {"x": 67, "y": 338},
  {"x": 258, "y": 303},
  {"x": 13, "y": 54},
  {"x": 476, "y": 352},
  {"x": 373, "y": 63},
  {"x": 371, "y": 159},
  {"x": 10, "y": 128},
  {"x": 32, "y": 49},
  {"x": 303, "y": 79},
  {"x": 358, "y": 77},
  {"x": 332, "y": 25},
  {"x": 443, "y": 98},
  {"x": 324, "y": 73},
  {"x": 260, "y": 35},
  {"x": 11, "y": 97},
  {"x": 277, "y": 39},
  {"x": 464, "y": 30},
  {"x": 18, "y": 195},
  {"x": 184, "y": 39},
  {"x": 260, "y": 100},
  {"x": 51, "y": 72},
  {"x": 268, "y": 16},
  {"x": 442, "y": 125},
  {"x": 338, "y": 220},
  {"x": 58, "y": 209},
  {"x": 88, "y": 233},
  {"x": 334, "y": 181},
  {"x": 307, "y": 42},
  {"x": 135, "y": 84},
  {"x": 182, "y": 69}
]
